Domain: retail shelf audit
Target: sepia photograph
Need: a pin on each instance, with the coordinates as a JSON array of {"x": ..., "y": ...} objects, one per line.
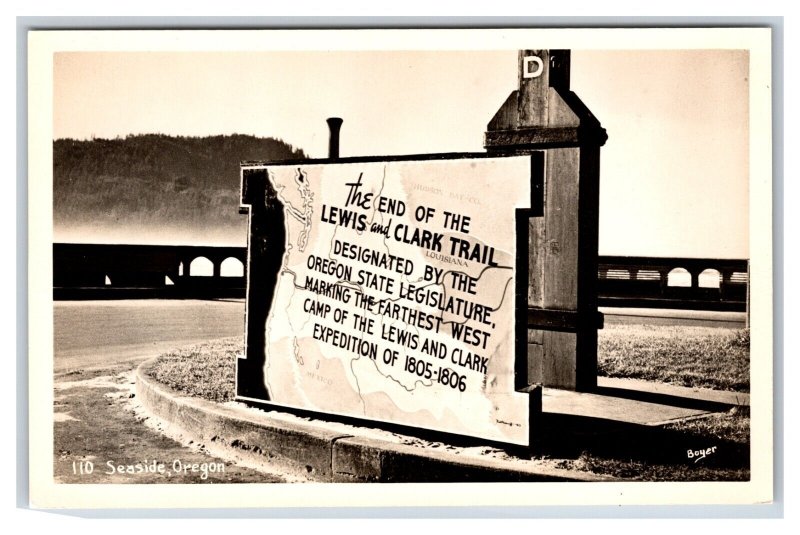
[{"x": 359, "y": 267}]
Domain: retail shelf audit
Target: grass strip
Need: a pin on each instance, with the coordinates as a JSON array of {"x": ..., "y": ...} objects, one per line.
[
  {"x": 699, "y": 357},
  {"x": 205, "y": 371}
]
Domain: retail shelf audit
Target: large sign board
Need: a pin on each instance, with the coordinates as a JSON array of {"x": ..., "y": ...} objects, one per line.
[{"x": 395, "y": 288}]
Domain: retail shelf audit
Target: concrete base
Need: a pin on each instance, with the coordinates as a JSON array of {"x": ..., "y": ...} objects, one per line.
[
  {"x": 325, "y": 451},
  {"x": 337, "y": 452}
]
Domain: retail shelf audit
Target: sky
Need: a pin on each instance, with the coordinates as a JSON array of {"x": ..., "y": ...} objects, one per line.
[{"x": 674, "y": 171}]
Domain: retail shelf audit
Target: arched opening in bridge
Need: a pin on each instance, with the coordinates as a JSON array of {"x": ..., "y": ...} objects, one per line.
[
  {"x": 180, "y": 269},
  {"x": 107, "y": 281},
  {"x": 709, "y": 278},
  {"x": 679, "y": 277},
  {"x": 232, "y": 267},
  {"x": 201, "y": 267}
]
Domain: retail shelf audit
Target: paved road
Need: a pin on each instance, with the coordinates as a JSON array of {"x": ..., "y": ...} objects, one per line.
[
  {"x": 663, "y": 316},
  {"x": 95, "y": 334}
]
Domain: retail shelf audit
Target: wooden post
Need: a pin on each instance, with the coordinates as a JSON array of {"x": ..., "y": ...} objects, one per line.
[{"x": 544, "y": 115}]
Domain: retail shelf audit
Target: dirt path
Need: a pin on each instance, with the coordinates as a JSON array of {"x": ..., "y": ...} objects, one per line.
[{"x": 102, "y": 436}]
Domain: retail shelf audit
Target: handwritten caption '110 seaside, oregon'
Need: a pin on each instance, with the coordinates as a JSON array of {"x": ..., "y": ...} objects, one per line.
[{"x": 431, "y": 320}]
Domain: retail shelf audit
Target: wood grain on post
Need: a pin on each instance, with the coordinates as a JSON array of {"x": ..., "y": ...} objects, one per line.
[{"x": 543, "y": 114}]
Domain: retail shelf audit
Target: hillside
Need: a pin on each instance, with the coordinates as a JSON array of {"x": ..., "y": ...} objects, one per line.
[{"x": 155, "y": 188}]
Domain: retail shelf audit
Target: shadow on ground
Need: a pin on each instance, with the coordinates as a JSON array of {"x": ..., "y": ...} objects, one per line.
[
  {"x": 662, "y": 399},
  {"x": 719, "y": 446}
]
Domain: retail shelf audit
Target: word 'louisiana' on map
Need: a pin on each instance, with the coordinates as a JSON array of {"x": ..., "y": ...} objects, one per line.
[{"x": 394, "y": 290}]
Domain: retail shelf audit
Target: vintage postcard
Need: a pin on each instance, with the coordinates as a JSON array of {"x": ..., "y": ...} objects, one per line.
[{"x": 400, "y": 267}]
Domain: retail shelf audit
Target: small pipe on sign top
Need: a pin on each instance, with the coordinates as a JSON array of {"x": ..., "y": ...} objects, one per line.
[{"x": 334, "y": 124}]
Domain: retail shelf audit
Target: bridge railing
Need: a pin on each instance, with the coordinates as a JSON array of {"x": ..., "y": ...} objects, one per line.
[
  {"x": 673, "y": 282},
  {"x": 111, "y": 271},
  {"x": 92, "y": 271}
]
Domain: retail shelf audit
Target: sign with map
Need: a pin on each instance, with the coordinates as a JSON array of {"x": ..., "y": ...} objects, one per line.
[{"x": 394, "y": 296}]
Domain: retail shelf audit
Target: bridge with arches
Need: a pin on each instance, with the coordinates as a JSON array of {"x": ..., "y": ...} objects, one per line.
[
  {"x": 104, "y": 271},
  {"x": 671, "y": 282},
  {"x": 113, "y": 271}
]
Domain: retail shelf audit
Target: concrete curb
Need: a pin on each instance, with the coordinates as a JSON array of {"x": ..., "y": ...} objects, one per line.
[{"x": 326, "y": 455}]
